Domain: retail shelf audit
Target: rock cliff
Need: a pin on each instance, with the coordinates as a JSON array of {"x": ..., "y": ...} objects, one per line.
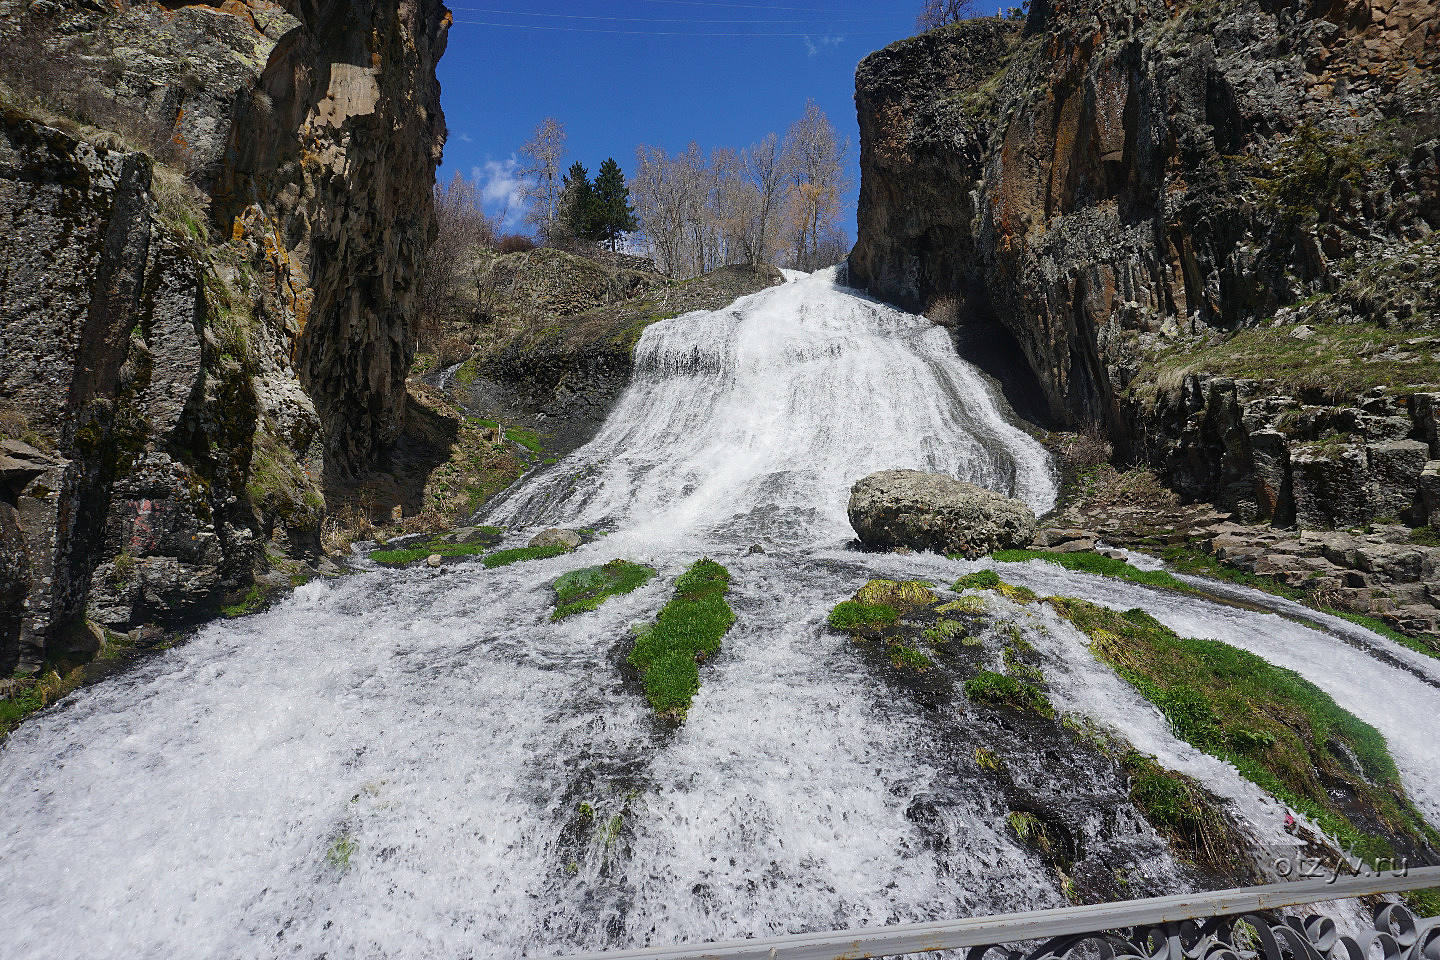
[
  {"x": 210, "y": 220},
  {"x": 1209, "y": 227}
]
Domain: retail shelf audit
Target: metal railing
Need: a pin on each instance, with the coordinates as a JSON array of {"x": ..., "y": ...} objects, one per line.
[{"x": 1191, "y": 926}]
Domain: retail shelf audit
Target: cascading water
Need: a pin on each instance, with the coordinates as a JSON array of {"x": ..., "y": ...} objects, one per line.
[{"x": 418, "y": 763}]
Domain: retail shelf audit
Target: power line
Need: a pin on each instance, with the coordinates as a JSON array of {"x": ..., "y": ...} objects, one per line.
[
  {"x": 722, "y": 3},
  {"x": 612, "y": 19},
  {"x": 660, "y": 33}
]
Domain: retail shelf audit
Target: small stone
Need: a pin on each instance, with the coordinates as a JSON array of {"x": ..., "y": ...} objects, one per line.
[
  {"x": 755, "y": 548},
  {"x": 1303, "y": 332},
  {"x": 433, "y": 560}
]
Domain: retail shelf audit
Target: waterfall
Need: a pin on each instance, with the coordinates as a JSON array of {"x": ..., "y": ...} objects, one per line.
[{"x": 417, "y": 763}]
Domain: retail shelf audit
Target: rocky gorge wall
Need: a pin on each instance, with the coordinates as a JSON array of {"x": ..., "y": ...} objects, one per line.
[
  {"x": 1209, "y": 226},
  {"x": 210, "y": 224}
]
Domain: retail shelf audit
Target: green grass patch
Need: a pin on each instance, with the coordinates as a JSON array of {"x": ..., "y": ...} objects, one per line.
[
  {"x": 1336, "y": 358},
  {"x": 1425, "y": 537},
  {"x": 587, "y": 588},
  {"x": 1280, "y": 731},
  {"x": 908, "y": 658},
  {"x": 36, "y": 694},
  {"x": 1182, "y": 811},
  {"x": 979, "y": 580},
  {"x": 503, "y": 558},
  {"x": 528, "y": 439},
  {"x": 1006, "y": 692},
  {"x": 854, "y": 615},
  {"x": 688, "y": 630},
  {"x": 401, "y": 558}
]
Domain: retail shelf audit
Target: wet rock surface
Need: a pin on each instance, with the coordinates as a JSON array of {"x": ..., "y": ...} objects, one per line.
[
  {"x": 564, "y": 350},
  {"x": 1381, "y": 570},
  {"x": 208, "y": 258},
  {"x": 1119, "y": 187},
  {"x": 928, "y": 511}
]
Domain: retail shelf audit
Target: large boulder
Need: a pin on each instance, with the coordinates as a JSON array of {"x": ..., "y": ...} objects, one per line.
[
  {"x": 569, "y": 539},
  {"x": 932, "y": 511}
]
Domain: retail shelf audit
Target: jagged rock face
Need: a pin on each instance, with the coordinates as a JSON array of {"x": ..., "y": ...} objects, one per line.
[
  {"x": 1109, "y": 183},
  {"x": 337, "y": 144},
  {"x": 196, "y": 363},
  {"x": 112, "y": 361}
]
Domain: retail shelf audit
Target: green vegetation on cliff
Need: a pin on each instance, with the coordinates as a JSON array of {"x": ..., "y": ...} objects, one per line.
[{"x": 689, "y": 629}]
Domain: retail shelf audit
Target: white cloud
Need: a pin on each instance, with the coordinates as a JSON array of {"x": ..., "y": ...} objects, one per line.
[
  {"x": 814, "y": 45},
  {"x": 466, "y": 138},
  {"x": 501, "y": 187}
]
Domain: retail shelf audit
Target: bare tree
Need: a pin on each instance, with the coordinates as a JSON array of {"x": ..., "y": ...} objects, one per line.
[
  {"x": 540, "y": 162},
  {"x": 462, "y": 229},
  {"x": 765, "y": 165},
  {"x": 735, "y": 204},
  {"x": 777, "y": 197},
  {"x": 815, "y": 159},
  {"x": 937, "y": 13},
  {"x": 659, "y": 206}
]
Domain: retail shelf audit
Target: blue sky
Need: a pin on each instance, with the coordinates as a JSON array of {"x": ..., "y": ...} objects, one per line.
[{"x": 619, "y": 73}]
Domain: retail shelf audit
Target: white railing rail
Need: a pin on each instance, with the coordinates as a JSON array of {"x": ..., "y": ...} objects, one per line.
[{"x": 1190, "y": 926}]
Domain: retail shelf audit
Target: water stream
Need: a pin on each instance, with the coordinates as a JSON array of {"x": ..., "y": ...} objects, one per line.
[{"x": 416, "y": 763}]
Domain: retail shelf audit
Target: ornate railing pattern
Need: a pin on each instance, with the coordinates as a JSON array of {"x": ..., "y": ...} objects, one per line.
[{"x": 1227, "y": 925}]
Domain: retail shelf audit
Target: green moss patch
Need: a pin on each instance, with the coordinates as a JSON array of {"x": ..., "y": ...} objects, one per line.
[
  {"x": 688, "y": 630},
  {"x": 979, "y": 580},
  {"x": 587, "y": 588},
  {"x": 1280, "y": 731},
  {"x": 503, "y": 558},
  {"x": 251, "y": 601},
  {"x": 1003, "y": 691},
  {"x": 907, "y": 658},
  {"x": 408, "y": 555}
]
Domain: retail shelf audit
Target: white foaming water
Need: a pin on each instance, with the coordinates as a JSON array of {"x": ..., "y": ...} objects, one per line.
[
  {"x": 754, "y": 421},
  {"x": 418, "y": 764}
]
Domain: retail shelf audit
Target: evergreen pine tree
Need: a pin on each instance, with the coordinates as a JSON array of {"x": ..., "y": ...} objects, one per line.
[
  {"x": 612, "y": 200},
  {"x": 581, "y": 208}
]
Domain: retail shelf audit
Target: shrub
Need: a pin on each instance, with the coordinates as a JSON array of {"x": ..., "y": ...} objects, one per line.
[
  {"x": 514, "y": 243},
  {"x": 939, "y": 13}
]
